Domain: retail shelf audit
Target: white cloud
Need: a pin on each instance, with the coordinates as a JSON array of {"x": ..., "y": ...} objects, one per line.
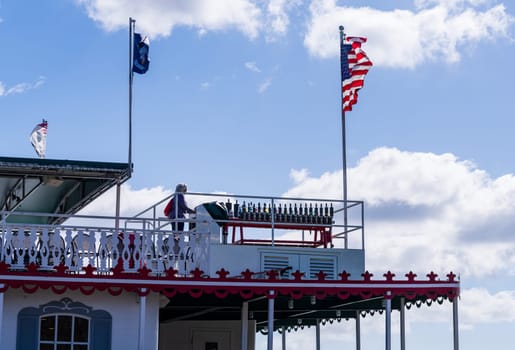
[
  {"x": 476, "y": 306},
  {"x": 420, "y": 4},
  {"x": 252, "y": 66},
  {"x": 205, "y": 85},
  {"x": 158, "y": 18},
  {"x": 431, "y": 212},
  {"x": 402, "y": 38},
  {"x": 479, "y": 305},
  {"x": 20, "y": 87},
  {"x": 426, "y": 211},
  {"x": 299, "y": 176},
  {"x": 265, "y": 85},
  {"x": 436, "y": 30},
  {"x": 278, "y": 18},
  {"x": 40, "y": 81},
  {"x": 131, "y": 201}
]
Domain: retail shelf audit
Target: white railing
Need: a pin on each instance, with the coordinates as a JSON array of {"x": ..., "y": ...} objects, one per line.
[
  {"x": 279, "y": 215},
  {"x": 128, "y": 244},
  {"x": 104, "y": 248}
]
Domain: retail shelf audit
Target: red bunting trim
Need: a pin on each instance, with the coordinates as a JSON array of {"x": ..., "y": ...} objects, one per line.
[{"x": 223, "y": 286}]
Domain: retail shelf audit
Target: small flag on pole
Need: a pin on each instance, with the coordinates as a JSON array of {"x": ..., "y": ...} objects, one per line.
[
  {"x": 38, "y": 138},
  {"x": 141, "y": 47},
  {"x": 354, "y": 66}
]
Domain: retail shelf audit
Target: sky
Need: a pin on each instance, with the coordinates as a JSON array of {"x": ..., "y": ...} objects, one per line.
[{"x": 243, "y": 97}]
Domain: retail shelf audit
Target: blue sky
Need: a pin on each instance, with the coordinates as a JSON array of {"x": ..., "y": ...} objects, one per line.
[{"x": 243, "y": 97}]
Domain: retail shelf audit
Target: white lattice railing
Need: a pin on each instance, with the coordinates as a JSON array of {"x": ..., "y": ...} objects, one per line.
[{"x": 103, "y": 248}]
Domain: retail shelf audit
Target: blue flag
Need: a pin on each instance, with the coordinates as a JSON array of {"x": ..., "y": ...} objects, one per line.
[
  {"x": 141, "y": 62},
  {"x": 344, "y": 60}
]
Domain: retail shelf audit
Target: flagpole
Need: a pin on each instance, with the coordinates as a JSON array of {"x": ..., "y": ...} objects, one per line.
[
  {"x": 129, "y": 161},
  {"x": 131, "y": 76},
  {"x": 344, "y": 149}
]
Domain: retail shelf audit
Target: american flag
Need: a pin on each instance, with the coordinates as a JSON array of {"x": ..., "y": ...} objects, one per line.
[
  {"x": 38, "y": 138},
  {"x": 354, "y": 65}
]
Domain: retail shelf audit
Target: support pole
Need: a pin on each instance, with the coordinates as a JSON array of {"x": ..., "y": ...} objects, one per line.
[
  {"x": 403, "y": 324},
  {"x": 1, "y": 309},
  {"x": 142, "y": 312},
  {"x": 244, "y": 325},
  {"x": 318, "y": 335},
  {"x": 117, "y": 217},
  {"x": 271, "y": 299},
  {"x": 358, "y": 330},
  {"x": 284, "y": 338},
  {"x": 388, "y": 321},
  {"x": 455, "y": 324}
]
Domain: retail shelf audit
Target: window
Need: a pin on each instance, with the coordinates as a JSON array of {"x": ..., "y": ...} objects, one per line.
[
  {"x": 63, "y": 332},
  {"x": 211, "y": 345},
  {"x": 63, "y": 325}
]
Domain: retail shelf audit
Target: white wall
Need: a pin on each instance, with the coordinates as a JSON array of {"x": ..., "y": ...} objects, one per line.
[
  {"x": 178, "y": 335},
  {"x": 237, "y": 258},
  {"x": 124, "y": 310}
]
